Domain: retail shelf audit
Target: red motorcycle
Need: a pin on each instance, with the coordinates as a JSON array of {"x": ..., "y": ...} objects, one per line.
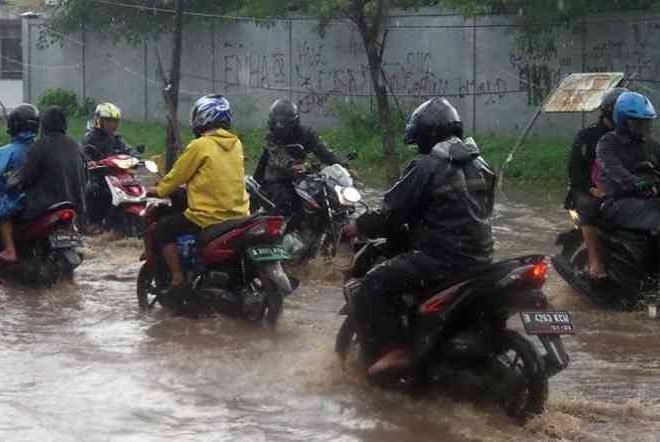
[
  {"x": 121, "y": 197},
  {"x": 233, "y": 268},
  {"x": 47, "y": 247}
]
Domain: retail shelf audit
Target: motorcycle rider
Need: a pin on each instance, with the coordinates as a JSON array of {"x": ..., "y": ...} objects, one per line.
[
  {"x": 54, "y": 170},
  {"x": 583, "y": 195},
  {"x": 630, "y": 200},
  {"x": 23, "y": 127},
  {"x": 445, "y": 196},
  {"x": 100, "y": 141},
  {"x": 212, "y": 168},
  {"x": 277, "y": 166}
]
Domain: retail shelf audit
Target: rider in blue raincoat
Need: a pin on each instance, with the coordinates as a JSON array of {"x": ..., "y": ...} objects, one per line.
[{"x": 23, "y": 127}]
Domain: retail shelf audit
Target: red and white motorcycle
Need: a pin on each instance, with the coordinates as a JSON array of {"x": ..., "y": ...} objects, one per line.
[{"x": 122, "y": 197}]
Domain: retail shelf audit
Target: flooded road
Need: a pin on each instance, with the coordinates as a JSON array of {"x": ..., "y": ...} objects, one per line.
[{"x": 82, "y": 363}]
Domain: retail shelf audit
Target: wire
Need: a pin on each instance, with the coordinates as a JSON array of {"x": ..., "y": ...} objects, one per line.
[{"x": 391, "y": 27}]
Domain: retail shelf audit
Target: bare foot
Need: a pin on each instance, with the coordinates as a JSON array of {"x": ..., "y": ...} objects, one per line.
[
  {"x": 8, "y": 256},
  {"x": 397, "y": 359}
]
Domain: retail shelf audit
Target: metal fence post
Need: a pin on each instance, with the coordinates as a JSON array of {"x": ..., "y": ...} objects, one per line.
[
  {"x": 290, "y": 59},
  {"x": 474, "y": 75}
]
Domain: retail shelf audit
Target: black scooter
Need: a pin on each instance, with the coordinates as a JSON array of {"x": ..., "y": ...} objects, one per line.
[{"x": 462, "y": 329}]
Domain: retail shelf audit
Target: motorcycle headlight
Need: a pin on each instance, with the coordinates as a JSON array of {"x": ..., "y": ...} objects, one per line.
[
  {"x": 351, "y": 195},
  {"x": 348, "y": 196}
]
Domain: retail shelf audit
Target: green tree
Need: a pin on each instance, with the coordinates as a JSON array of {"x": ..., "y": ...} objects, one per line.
[
  {"x": 534, "y": 12},
  {"x": 133, "y": 21},
  {"x": 369, "y": 17}
]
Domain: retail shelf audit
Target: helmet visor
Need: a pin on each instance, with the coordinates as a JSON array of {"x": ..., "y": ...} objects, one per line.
[{"x": 640, "y": 129}]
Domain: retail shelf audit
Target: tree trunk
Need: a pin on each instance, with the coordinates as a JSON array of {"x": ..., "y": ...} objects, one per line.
[
  {"x": 384, "y": 114},
  {"x": 171, "y": 93}
]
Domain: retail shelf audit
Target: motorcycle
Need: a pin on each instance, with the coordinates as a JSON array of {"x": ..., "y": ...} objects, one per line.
[
  {"x": 122, "y": 196},
  {"x": 327, "y": 198},
  {"x": 631, "y": 264},
  {"x": 458, "y": 329},
  {"x": 630, "y": 257},
  {"x": 47, "y": 248},
  {"x": 233, "y": 268}
]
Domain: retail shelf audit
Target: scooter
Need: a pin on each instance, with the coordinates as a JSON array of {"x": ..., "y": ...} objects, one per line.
[
  {"x": 458, "y": 329},
  {"x": 47, "y": 248},
  {"x": 233, "y": 268},
  {"x": 122, "y": 197}
]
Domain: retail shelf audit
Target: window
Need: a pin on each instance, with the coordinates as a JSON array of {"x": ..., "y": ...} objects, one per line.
[{"x": 12, "y": 59}]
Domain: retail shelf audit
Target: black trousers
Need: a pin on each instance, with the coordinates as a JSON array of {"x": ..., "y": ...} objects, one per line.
[
  {"x": 172, "y": 227},
  {"x": 374, "y": 298}
]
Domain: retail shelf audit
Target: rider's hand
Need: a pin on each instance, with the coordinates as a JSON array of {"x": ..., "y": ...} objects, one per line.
[{"x": 152, "y": 191}]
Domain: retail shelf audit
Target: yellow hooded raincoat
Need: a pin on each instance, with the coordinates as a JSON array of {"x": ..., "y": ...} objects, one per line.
[{"x": 213, "y": 168}]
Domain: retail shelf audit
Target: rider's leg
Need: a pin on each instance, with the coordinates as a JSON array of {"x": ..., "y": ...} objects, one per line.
[
  {"x": 168, "y": 230},
  {"x": 591, "y": 240},
  {"x": 7, "y": 234},
  {"x": 373, "y": 304}
]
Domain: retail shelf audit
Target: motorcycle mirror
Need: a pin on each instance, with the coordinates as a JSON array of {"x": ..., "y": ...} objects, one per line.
[
  {"x": 352, "y": 156},
  {"x": 151, "y": 166},
  {"x": 140, "y": 148}
]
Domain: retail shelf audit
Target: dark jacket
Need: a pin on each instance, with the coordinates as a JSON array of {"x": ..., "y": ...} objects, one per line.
[
  {"x": 618, "y": 157},
  {"x": 104, "y": 145},
  {"x": 446, "y": 198},
  {"x": 275, "y": 162},
  {"x": 54, "y": 170},
  {"x": 582, "y": 157}
]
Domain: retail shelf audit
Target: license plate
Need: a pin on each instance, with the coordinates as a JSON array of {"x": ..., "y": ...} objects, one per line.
[
  {"x": 547, "y": 323},
  {"x": 268, "y": 254},
  {"x": 64, "y": 239}
]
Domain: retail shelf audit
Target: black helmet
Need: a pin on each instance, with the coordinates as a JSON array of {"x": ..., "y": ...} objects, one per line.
[
  {"x": 24, "y": 118},
  {"x": 609, "y": 100},
  {"x": 432, "y": 122},
  {"x": 283, "y": 117}
]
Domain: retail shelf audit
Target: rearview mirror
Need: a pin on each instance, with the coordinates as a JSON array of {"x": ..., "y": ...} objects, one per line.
[
  {"x": 140, "y": 148},
  {"x": 151, "y": 166}
]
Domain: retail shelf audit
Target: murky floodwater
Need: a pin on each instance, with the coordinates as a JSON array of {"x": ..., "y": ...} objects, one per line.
[{"x": 82, "y": 363}]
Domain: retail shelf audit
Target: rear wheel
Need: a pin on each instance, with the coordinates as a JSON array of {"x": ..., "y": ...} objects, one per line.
[
  {"x": 274, "y": 306},
  {"x": 527, "y": 382}
]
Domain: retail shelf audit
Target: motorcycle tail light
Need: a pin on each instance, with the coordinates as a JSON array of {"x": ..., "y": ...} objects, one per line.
[
  {"x": 67, "y": 215},
  {"x": 276, "y": 226},
  {"x": 537, "y": 272}
]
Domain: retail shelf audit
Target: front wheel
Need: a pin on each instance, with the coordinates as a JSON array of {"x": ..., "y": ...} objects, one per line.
[
  {"x": 527, "y": 383},
  {"x": 345, "y": 338},
  {"x": 151, "y": 288}
]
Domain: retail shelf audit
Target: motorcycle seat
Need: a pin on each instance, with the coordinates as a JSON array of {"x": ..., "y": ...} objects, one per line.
[
  {"x": 61, "y": 206},
  {"x": 210, "y": 233},
  {"x": 494, "y": 271}
]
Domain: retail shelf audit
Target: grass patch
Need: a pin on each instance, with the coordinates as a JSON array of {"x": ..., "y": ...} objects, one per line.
[{"x": 538, "y": 159}]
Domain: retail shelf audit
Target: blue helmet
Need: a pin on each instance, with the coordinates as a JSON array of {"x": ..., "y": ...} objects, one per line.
[
  {"x": 632, "y": 106},
  {"x": 210, "y": 112}
]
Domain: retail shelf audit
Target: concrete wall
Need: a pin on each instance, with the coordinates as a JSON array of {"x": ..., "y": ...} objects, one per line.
[{"x": 477, "y": 63}]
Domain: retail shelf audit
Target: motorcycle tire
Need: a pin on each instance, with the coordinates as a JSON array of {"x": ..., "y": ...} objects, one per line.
[
  {"x": 274, "y": 305},
  {"x": 133, "y": 226},
  {"x": 148, "y": 287},
  {"x": 345, "y": 338},
  {"x": 529, "y": 398}
]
